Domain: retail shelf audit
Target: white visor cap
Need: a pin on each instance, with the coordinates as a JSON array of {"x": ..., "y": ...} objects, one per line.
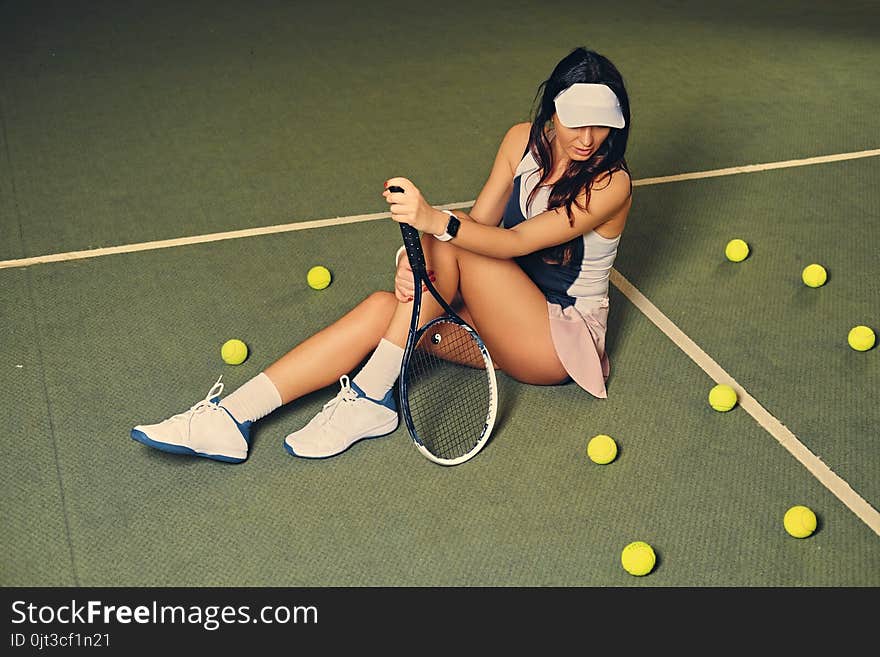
[{"x": 589, "y": 104}]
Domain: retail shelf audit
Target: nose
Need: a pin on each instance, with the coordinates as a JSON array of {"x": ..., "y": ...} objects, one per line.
[{"x": 586, "y": 135}]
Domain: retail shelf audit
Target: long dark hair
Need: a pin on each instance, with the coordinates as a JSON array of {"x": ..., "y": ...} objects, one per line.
[{"x": 581, "y": 65}]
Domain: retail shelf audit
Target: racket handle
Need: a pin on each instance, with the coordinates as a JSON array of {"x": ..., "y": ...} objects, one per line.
[{"x": 411, "y": 241}]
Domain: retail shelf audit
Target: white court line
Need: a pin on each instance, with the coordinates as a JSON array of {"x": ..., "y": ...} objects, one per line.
[
  {"x": 210, "y": 237},
  {"x": 752, "y": 168},
  {"x": 338, "y": 221},
  {"x": 774, "y": 427}
]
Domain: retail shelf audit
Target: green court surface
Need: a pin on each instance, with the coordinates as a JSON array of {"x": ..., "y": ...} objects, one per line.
[{"x": 124, "y": 123}]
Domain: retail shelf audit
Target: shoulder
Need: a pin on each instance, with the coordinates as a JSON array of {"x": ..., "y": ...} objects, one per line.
[
  {"x": 610, "y": 197},
  {"x": 514, "y": 143},
  {"x": 616, "y": 184},
  {"x": 517, "y": 138},
  {"x": 519, "y": 132}
]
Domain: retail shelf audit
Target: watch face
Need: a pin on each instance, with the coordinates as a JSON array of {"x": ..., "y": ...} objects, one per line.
[{"x": 452, "y": 226}]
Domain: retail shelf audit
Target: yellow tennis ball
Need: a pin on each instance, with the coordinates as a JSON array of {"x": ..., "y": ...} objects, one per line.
[
  {"x": 318, "y": 277},
  {"x": 722, "y": 397},
  {"x": 638, "y": 558},
  {"x": 799, "y": 521},
  {"x": 814, "y": 275},
  {"x": 234, "y": 351},
  {"x": 736, "y": 250},
  {"x": 602, "y": 449},
  {"x": 861, "y": 338}
]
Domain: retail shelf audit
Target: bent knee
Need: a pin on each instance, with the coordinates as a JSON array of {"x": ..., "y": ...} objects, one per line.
[{"x": 381, "y": 300}]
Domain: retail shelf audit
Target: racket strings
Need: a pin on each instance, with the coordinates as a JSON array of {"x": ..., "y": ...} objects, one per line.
[{"x": 449, "y": 390}]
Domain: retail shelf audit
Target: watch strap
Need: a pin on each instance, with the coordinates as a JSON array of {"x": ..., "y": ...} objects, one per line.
[{"x": 446, "y": 236}]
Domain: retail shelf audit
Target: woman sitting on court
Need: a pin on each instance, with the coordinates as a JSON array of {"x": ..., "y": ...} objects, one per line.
[{"x": 529, "y": 265}]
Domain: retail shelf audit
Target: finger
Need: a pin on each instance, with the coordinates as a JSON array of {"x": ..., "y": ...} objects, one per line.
[
  {"x": 392, "y": 195},
  {"x": 402, "y": 218},
  {"x": 399, "y": 181},
  {"x": 404, "y": 287},
  {"x": 402, "y": 211},
  {"x": 398, "y": 204}
]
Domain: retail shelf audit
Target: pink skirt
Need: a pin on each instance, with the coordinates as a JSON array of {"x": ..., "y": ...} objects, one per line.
[{"x": 579, "y": 339}]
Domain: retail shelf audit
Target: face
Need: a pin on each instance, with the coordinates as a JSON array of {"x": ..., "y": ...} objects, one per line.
[{"x": 579, "y": 144}]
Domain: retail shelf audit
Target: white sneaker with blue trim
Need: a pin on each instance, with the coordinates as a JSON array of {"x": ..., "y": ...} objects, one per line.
[
  {"x": 347, "y": 418},
  {"x": 206, "y": 429}
]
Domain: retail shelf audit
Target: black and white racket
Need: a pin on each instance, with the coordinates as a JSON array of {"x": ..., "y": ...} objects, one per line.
[{"x": 448, "y": 392}]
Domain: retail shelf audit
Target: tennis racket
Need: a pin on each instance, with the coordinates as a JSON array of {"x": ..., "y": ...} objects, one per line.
[{"x": 448, "y": 391}]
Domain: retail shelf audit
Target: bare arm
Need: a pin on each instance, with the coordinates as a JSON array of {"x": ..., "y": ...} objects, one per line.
[
  {"x": 488, "y": 209},
  {"x": 549, "y": 228},
  {"x": 545, "y": 230}
]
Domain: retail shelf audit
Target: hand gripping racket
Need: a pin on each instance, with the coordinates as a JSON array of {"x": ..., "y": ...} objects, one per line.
[{"x": 448, "y": 392}]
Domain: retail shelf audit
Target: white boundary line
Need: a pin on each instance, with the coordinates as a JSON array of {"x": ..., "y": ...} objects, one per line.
[
  {"x": 752, "y": 168},
  {"x": 774, "y": 427},
  {"x": 338, "y": 221},
  {"x": 840, "y": 488},
  {"x": 210, "y": 237}
]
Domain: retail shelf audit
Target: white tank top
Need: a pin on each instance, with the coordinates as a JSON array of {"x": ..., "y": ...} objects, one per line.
[{"x": 583, "y": 280}]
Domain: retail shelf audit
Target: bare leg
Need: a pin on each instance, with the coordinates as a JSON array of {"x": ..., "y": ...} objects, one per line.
[
  {"x": 321, "y": 359},
  {"x": 506, "y": 308},
  {"x": 500, "y": 301}
]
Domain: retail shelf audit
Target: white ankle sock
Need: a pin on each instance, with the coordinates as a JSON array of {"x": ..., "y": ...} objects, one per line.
[
  {"x": 379, "y": 373},
  {"x": 255, "y": 399}
]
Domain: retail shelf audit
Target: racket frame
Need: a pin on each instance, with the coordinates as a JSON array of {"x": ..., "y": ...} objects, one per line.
[{"x": 416, "y": 256}]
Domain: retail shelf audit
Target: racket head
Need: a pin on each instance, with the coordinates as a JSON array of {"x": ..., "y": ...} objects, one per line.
[{"x": 448, "y": 391}]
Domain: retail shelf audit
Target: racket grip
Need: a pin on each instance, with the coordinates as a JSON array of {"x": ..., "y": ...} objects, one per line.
[{"x": 411, "y": 241}]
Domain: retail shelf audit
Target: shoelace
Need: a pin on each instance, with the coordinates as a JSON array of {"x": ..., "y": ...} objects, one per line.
[
  {"x": 345, "y": 396},
  {"x": 205, "y": 404}
]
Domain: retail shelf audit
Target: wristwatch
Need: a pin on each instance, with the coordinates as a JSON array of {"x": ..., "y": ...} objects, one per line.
[{"x": 451, "y": 227}]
